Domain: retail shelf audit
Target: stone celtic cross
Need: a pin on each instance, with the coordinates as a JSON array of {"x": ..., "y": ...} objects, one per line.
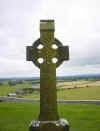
[{"x": 47, "y": 53}]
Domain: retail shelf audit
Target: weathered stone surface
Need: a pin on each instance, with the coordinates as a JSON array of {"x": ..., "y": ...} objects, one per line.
[
  {"x": 34, "y": 125},
  {"x": 60, "y": 125},
  {"x": 50, "y": 59}
]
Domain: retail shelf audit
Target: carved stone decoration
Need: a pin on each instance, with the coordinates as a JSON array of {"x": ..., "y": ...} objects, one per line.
[{"x": 48, "y": 53}]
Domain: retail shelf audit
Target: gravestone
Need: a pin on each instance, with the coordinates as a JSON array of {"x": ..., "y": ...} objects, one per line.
[{"x": 48, "y": 53}]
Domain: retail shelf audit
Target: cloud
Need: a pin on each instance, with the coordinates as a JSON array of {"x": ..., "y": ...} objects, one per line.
[{"x": 75, "y": 20}]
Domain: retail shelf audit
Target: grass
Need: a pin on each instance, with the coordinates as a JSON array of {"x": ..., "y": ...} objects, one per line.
[
  {"x": 17, "y": 116},
  {"x": 89, "y": 93},
  {"x": 5, "y": 88},
  {"x": 86, "y": 93}
]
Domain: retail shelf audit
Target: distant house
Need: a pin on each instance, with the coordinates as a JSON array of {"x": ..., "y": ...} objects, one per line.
[{"x": 11, "y": 94}]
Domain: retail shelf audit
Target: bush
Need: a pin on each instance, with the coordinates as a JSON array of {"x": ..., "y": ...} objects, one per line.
[
  {"x": 12, "y": 82},
  {"x": 1, "y": 83},
  {"x": 30, "y": 90}
]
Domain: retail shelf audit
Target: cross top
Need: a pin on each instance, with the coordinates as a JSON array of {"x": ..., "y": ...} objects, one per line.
[{"x": 47, "y": 49}]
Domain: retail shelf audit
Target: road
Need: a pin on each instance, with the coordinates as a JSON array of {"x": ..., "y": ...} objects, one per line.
[{"x": 14, "y": 99}]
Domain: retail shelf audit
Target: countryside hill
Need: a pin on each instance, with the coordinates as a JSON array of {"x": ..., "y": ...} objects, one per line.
[{"x": 70, "y": 77}]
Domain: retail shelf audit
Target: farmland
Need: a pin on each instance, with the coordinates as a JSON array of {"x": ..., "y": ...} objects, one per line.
[
  {"x": 17, "y": 116},
  {"x": 71, "y": 90}
]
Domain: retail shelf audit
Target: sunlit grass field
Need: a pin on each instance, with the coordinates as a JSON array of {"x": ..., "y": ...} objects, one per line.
[
  {"x": 83, "y": 93},
  {"x": 90, "y": 93},
  {"x": 17, "y": 116},
  {"x": 82, "y": 117},
  {"x": 5, "y": 88}
]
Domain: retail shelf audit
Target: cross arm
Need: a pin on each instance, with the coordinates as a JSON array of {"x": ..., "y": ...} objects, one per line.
[
  {"x": 32, "y": 53},
  {"x": 64, "y": 52}
]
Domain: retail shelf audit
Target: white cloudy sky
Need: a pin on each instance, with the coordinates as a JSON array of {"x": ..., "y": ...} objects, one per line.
[{"x": 77, "y": 24}]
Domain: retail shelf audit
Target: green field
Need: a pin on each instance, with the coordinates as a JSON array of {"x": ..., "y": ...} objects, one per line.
[
  {"x": 86, "y": 93},
  {"x": 91, "y": 93},
  {"x": 82, "y": 117},
  {"x": 17, "y": 116},
  {"x": 5, "y": 88}
]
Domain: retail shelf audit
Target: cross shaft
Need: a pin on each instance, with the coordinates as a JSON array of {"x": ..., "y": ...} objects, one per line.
[{"x": 48, "y": 94}]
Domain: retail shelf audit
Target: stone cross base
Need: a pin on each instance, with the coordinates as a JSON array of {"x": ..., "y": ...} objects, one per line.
[{"x": 60, "y": 125}]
